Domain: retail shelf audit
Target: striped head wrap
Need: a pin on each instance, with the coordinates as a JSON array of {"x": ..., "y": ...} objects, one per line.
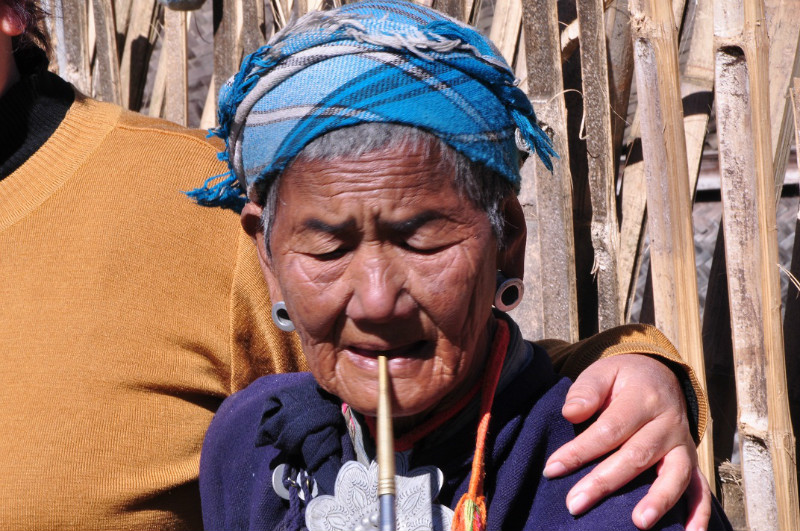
[{"x": 387, "y": 61}]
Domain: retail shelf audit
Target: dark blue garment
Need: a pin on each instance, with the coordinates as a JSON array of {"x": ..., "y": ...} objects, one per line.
[{"x": 288, "y": 419}]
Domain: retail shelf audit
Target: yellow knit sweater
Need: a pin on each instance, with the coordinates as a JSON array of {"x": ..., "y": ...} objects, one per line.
[{"x": 127, "y": 314}]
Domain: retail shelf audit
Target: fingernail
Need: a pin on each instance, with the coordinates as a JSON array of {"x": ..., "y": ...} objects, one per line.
[
  {"x": 578, "y": 504},
  {"x": 648, "y": 518},
  {"x": 554, "y": 469},
  {"x": 575, "y": 402}
]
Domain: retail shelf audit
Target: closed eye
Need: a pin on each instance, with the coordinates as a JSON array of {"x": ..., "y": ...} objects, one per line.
[
  {"x": 423, "y": 250},
  {"x": 331, "y": 255}
]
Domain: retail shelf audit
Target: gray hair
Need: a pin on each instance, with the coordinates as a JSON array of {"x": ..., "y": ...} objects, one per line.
[{"x": 483, "y": 187}]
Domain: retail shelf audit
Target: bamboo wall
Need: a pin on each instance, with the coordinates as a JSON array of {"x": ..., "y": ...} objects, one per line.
[{"x": 628, "y": 171}]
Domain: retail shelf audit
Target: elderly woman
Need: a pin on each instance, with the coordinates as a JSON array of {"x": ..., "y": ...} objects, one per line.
[{"x": 379, "y": 147}]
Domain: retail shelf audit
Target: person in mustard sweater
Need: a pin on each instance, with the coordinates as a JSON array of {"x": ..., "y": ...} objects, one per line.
[{"x": 129, "y": 313}]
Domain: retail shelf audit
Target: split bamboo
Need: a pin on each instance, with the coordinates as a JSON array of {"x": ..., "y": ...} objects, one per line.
[
  {"x": 550, "y": 197},
  {"x": 748, "y": 195},
  {"x": 106, "y": 69},
  {"x": 139, "y": 41},
  {"x": 791, "y": 338},
  {"x": 600, "y": 157},
  {"x": 177, "y": 93},
  {"x": 72, "y": 54},
  {"x": 668, "y": 200}
]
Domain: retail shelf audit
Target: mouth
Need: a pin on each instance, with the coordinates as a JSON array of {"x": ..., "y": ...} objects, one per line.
[{"x": 373, "y": 351}]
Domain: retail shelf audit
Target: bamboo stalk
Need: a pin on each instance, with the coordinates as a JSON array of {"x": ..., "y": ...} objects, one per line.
[
  {"x": 209, "y": 117},
  {"x": 106, "y": 71},
  {"x": 72, "y": 54},
  {"x": 748, "y": 194},
  {"x": 506, "y": 24},
  {"x": 791, "y": 338},
  {"x": 159, "y": 92},
  {"x": 547, "y": 198},
  {"x": 139, "y": 41},
  {"x": 600, "y": 157},
  {"x": 620, "y": 71},
  {"x": 454, "y": 8},
  {"x": 177, "y": 94},
  {"x": 783, "y": 59},
  {"x": 668, "y": 199},
  {"x": 227, "y": 45},
  {"x": 784, "y": 65},
  {"x": 570, "y": 35},
  {"x": 698, "y": 73},
  {"x": 252, "y": 38}
]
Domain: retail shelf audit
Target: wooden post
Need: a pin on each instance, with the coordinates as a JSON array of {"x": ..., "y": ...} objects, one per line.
[
  {"x": 668, "y": 199},
  {"x": 506, "y": 24},
  {"x": 748, "y": 195},
  {"x": 620, "y": 71},
  {"x": 791, "y": 338},
  {"x": 227, "y": 47},
  {"x": 72, "y": 54},
  {"x": 783, "y": 60},
  {"x": 106, "y": 70},
  {"x": 600, "y": 157},
  {"x": 177, "y": 94},
  {"x": 136, "y": 53},
  {"x": 550, "y": 196},
  {"x": 784, "y": 65},
  {"x": 634, "y": 200}
]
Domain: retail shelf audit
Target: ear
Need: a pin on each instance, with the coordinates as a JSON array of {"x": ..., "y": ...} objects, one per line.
[
  {"x": 252, "y": 225},
  {"x": 511, "y": 258},
  {"x": 10, "y": 24}
]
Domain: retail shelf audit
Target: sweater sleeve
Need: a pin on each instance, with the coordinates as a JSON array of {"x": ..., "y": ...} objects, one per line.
[
  {"x": 571, "y": 359},
  {"x": 258, "y": 347}
]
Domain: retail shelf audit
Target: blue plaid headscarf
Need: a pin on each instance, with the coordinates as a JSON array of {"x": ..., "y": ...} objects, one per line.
[{"x": 387, "y": 61}]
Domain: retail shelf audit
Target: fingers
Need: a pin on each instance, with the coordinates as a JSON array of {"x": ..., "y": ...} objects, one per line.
[
  {"x": 675, "y": 474},
  {"x": 699, "y": 500},
  {"x": 616, "y": 425},
  {"x": 638, "y": 454},
  {"x": 589, "y": 392}
]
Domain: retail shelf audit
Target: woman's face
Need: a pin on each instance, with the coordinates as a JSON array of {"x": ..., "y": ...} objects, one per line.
[{"x": 380, "y": 254}]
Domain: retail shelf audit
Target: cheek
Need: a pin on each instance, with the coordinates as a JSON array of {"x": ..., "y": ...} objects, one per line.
[
  {"x": 457, "y": 291},
  {"x": 312, "y": 295}
]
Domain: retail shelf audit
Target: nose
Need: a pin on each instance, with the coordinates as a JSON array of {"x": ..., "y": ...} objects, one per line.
[{"x": 378, "y": 286}]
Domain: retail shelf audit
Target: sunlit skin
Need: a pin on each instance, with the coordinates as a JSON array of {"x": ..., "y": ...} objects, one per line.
[{"x": 380, "y": 254}]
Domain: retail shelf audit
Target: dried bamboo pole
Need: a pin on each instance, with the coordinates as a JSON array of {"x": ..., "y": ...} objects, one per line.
[
  {"x": 177, "y": 93},
  {"x": 620, "y": 72},
  {"x": 454, "y": 8},
  {"x": 550, "y": 196},
  {"x": 106, "y": 70},
  {"x": 748, "y": 195},
  {"x": 158, "y": 93},
  {"x": 668, "y": 200},
  {"x": 633, "y": 225},
  {"x": 252, "y": 38},
  {"x": 783, "y": 60},
  {"x": 227, "y": 43},
  {"x": 72, "y": 53},
  {"x": 209, "y": 117},
  {"x": 570, "y": 35},
  {"x": 122, "y": 17},
  {"x": 505, "y": 29},
  {"x": 600, "y": 157},
  {"x": 791, "y": 338},
  {"x": 784, "y": 65},
  {"x": 139, "y": 41}
]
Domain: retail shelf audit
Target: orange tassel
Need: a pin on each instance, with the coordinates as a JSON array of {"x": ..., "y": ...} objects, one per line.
[{"x": 470, "y": 513}]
